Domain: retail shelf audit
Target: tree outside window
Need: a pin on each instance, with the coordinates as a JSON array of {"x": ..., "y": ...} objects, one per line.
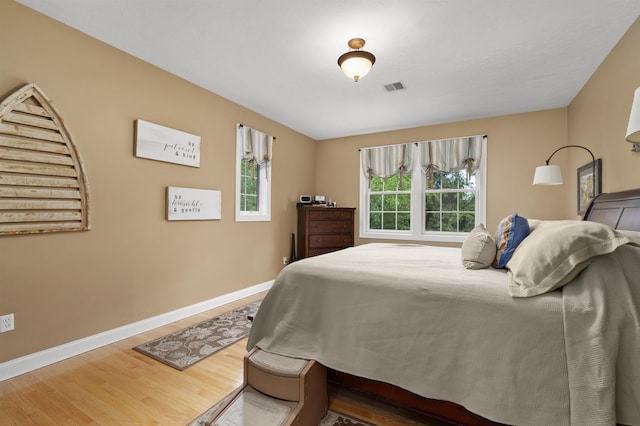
[
  {"x": 390, "y": 203},
  {"x": 450, "y": 202},
  {"x": 249, "y": 186}
]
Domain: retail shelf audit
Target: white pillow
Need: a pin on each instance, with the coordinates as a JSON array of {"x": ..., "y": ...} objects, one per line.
[
  {"x": 634, "y": 236},
  {"x": 556, "y": 252},
  {"x": 478, "y": 249},
  {"x": 534, "y": 223}
]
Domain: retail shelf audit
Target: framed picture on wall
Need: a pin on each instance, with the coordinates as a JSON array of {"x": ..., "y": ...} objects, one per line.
[
  {"x": 589, "y": 184},
  {"x": 161, "y": 143},
  {"x": 193, "y": 204}
]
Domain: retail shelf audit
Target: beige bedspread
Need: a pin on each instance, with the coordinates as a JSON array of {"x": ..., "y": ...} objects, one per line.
[
  {"x": 602, "y": 333},
  {"x": 430, "y": 326}
]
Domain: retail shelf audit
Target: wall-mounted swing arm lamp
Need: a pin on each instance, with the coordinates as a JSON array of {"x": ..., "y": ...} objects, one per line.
[
  {"x": 633, "y": 130},
  {"x": 551, "y": 174}
]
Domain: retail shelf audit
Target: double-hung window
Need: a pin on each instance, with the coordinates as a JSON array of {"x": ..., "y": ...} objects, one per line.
[
  {"x": 253, "y": 174},
  {"x": 428, "y": 191},
  {"x": 250, "y": 179},
  {"x": 450, "y": 202},
  {"x": 390, "y": 203}
]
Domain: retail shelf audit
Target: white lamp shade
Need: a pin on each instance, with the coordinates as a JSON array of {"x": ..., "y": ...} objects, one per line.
[
  {"x": 356, "y": 67},
  {"x": 548, "y": 175},
  {"x": 633, "y": 131}
]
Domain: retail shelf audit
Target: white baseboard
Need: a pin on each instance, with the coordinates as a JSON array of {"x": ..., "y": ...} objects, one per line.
[{"x": 18, "y": 366}]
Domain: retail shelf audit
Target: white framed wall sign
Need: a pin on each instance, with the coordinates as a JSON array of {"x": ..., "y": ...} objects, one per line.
[
  {"x": 193, "y": 204},
  {"x": 161, "y": 143}
]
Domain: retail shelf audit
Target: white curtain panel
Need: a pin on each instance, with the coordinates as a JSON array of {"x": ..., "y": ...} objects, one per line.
[
  {"x": 257, "y": 146},
  {"x": 387, "y": 161},
  {"x": 451, "y": 155}
]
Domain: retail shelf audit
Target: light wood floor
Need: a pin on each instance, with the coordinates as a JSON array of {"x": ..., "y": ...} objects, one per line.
[{"x": 115, "y": 385}]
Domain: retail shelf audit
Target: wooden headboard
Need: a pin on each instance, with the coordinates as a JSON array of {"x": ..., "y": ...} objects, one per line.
[{"x": 620, "y": 210}]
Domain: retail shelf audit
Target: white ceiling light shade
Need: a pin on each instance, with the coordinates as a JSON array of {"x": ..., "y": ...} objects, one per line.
[
  {"x": 633, "y": 130},
  {"x": 356, "y": 63}
]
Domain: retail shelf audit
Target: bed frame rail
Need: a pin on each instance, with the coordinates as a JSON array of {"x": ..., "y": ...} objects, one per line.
[{"x": 620, "y": 210}]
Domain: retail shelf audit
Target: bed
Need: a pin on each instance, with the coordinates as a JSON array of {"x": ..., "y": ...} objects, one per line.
[{"x": 548, "y": 340}]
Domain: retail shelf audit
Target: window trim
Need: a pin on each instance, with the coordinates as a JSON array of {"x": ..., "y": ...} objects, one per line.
[
  {"x": 417, "y": 208},
  {"x": 264, "y": 191}
]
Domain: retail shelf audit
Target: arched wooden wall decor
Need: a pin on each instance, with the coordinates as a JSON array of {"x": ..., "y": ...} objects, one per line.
[{"x": 43, "y": 187}]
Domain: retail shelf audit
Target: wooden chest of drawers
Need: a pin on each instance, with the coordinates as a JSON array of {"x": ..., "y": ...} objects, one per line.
[{"x": 324, "y": 229}]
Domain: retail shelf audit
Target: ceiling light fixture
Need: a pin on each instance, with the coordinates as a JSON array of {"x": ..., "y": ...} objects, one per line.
[{"x": 356, "y": 63}]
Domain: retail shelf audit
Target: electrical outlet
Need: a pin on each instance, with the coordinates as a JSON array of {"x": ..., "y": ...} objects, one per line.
[
  {"x": 6, "y": 323},
  {"x": 285, "y": 260}
]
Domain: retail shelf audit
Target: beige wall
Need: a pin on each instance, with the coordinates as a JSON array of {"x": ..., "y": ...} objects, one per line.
[
  {"x": 599, "y": 114},
  {"x": 133, "y": 264}
]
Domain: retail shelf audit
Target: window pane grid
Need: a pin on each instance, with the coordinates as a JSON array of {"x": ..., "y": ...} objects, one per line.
[
  {"x": 249, "y": 195},
  {"x": 450, "y": 203},
  {"x": 390, "y": 203}
]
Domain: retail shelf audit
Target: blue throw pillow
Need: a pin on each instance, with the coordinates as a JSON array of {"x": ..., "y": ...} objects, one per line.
[{"x": 511, "y": 231}]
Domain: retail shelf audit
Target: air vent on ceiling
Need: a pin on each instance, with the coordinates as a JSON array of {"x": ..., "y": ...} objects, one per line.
[{"x": 392, "y": 87}]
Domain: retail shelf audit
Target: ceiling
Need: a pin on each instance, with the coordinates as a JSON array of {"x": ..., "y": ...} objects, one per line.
[{"x": 458, "y": 59}]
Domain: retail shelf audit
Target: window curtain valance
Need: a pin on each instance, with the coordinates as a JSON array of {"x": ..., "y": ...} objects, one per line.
[
  {"x": 387, "y": 161},
  {"x": 451, "y": 155},
  {"x": 257, "y": 147}
]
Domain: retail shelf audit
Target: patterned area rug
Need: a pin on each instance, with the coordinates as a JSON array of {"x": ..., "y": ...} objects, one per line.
[
  {"x": 331, "y": 419},
  {"x": 186, "y": 347}
]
